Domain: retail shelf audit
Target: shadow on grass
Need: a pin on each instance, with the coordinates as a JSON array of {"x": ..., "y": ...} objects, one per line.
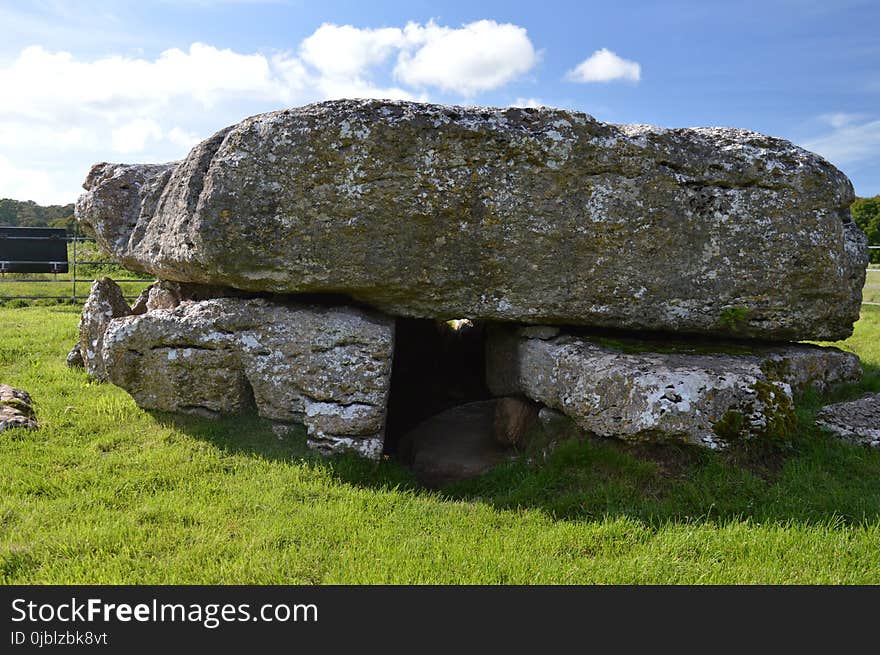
[
  {"x": 870, "y": 378},
  {"x": 249, "y": 435},
  {"x": 813, "y": 479}
]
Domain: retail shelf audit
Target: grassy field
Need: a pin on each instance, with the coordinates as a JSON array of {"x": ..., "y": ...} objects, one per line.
[
  {"x": 107, "y": 493},
  {"x": 871, "y": 292}
]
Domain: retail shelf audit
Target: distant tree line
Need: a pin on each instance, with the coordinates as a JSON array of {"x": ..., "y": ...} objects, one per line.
[
  {"x": 865, "y": 212},
  {"x": 27, "y": 213}
]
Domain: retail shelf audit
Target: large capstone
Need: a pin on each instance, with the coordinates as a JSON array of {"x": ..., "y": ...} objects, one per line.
[
  {"x": 326, "y": 367},
  {"x": 518, "y": 215},
  {"x": 707, "y": 394}
]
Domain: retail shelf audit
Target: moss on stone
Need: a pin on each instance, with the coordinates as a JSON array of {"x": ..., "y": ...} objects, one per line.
[
  {"x": 17, "y": 404},
  {"x": 734, "y": 318},
  {"x": 730, "y": 426},
  {"x": 778, "y": 409},
  {"x": 775, "y": 369}
]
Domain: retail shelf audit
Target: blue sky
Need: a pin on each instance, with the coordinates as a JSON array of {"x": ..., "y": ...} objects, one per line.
[{"x": 143, "y": 81}]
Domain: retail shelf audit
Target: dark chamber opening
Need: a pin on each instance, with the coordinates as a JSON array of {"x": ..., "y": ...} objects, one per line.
[{"x": 435, "y": 367}]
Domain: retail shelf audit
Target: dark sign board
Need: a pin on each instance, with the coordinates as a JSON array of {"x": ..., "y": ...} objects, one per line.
[{"x": 33, "y": 250}]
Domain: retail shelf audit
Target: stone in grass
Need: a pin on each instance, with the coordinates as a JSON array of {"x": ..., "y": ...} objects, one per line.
[
  {"x": 857, "y": 421},
  {"x": 326, "y": 367},
  {"x": 74, "y": 357},
  {"x": 105, "y": 302},
  {"x": 16, "y": 409},
  {"x": 455, "y": 444},
  {"x": 513, "y": 418},
  {"x": 660, "y": 392}
]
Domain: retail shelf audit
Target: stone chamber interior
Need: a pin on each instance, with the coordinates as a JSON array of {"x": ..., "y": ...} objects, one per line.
[{"x": 437, "y": 365}]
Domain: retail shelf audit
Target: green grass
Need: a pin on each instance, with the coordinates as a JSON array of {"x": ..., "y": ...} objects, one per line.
[
  {"x": 871, "y": 292},
  {"x": 107, "y": 493}
]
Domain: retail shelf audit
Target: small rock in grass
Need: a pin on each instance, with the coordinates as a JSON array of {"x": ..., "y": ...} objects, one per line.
[
  {"x": 857, "y": 421},
  {"x": 16, "y": 409},
  {"x": 455, "y": 444},
  {"x": 74, "y": 357},
  {"x": 513, "y": 418}
]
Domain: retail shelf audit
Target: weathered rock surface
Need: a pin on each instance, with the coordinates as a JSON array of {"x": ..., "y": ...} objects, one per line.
[
  {"x": 105, "y": 302},
  {"x": 16, "y": 409},
  {"x": 455, "y": 444},
  {"x": 139, "y": 306},
  {"x": 520, "y": 215},
  {"x": 688, "y": 393},
  {"x": 164, "y": 294},
  {"x": 857, "y": 421},
  {"x": 326, "y": 367}
]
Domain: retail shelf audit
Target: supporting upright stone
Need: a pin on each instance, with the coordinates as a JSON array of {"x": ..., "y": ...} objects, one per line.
[
  {"x": 657, "y": 391},
  {"x": 105, "y": 302},
  {"x": 326, "y": 367}
]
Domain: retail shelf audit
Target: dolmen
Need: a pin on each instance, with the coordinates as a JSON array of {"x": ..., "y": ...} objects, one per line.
[{"x": 648, "y": 283}]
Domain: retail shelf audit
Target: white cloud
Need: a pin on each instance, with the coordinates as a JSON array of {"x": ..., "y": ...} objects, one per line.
[
  {"x": 851, "y": 141},
  {"x": 182, "y": 138},
  {"x": 527, "y": 102},
  {"x": 45, "y": 82},
  {"x": 346, "y": 51},
  {"x": 605, "y": 66},
  {"x": 60, "y": 113},
  {"x": 21, "y": 134},
  {"x": 22, "y": 183},
  {"x": 329, "y": 88},
  {"x": 840, "y": 118},
  {"x": 133, "y": 136},
  {"x": 480, "y": 56}
]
